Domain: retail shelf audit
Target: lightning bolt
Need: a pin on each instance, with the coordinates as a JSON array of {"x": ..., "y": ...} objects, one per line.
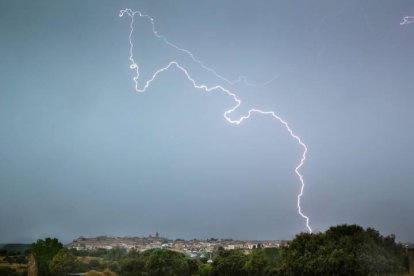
[
  {"x": 407, "y": 20},
  {"x": 134, "y": 66},
  {"x": 201, "y": 63}
]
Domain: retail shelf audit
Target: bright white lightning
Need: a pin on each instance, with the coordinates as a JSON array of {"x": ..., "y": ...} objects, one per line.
[
  {"x": 201, "y": 63},
  {"x": 134, "y": 66},
  {"x": 407, "y": 20}
]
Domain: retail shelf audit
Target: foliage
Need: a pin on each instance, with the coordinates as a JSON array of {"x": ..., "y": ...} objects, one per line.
[
  {"x": 116, "y": 253},
  {"x": 341, "y": 250},
  {"x": 8, "y": 271},
  {"x": 94, "y": 265},
  {"x": 133, "y": 253},
  {"x": 113, "y": 265},
  {"x": 260, "y": 262},
  {"x": 192, "y": 266},
  {"x": 106, "y": 272},
  {"x": 229, "y": 262},
  {"x": 166, "y": 262},
  {"x": 12, "y": 249},
  {"x": 44, "y": 251},
  {"x": 133, "y": 266},
  {"x": 15, "y": 259},
  {"x": 63, "y": 262},
  {"x": 344, "y": 250},
  {"x": 204, "y": 270},
  {"x": 265, "y": 261},
  {"x": 159, "y": 262}
]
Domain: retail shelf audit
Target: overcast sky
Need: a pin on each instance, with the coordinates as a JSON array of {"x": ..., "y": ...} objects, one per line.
[{"x": 82, "y": 153}]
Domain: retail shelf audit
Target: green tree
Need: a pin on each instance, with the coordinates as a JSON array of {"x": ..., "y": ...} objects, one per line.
[
  {"x": 256, "y": 264},
  {"x": 204, "y": 270},
  {"x": 63, "y": 262},
  {"x": 133, "y": 266},
  {"x": 164, "y": 262},
  {"x": 344, "y": 250},
  {"x": 192, "y": 265},
  {"x": 229, "y": 263},
  {"x": 43, "y": 252},
  {"x": 264, "y": 261},
  {"x": 116, "y": 253},
  {"x": 133, "y": 253}
]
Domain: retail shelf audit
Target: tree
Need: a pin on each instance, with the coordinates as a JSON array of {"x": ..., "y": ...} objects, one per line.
[
  {"x": 344, "y": 250},
  {"x": 264, "y": 261},
  {"x": 133, "y": 266},
  {"x": 43, "y": 252},
  {"x": 256, "y": 265},
  {"x": 164, "y": 262},
  {"x": 158, "y": 262},
  {"x": 133, "y": 253},
  {"x": 229, "y": 263},
  {"x": 192, "y": 266},
  {"x": 62, "y": 263},
  {"x": 116, "y": 253},
  {"x": 204, "y": 270}
]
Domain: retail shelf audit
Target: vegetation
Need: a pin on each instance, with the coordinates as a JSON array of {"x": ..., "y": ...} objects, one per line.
[
  {"x": 341, "y": 250},
  {"x": 63, "y": 263},
  {"x": 159, "y": 262},
  {"x": 8, "y": 271},
  {"x": 13, "y": 249},
  {"x": 229, "y": 262},
  {"x": 106, "y": 272},
  {"x": 344, "y": 250},
  {"x": 13, "y": 260},
  {"x": 43, "y": 252}
]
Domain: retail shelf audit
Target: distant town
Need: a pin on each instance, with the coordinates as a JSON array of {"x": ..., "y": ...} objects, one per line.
[{"x": 194, "y": 247}]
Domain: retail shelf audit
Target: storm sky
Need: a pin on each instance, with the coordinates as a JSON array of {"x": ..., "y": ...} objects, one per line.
[{"x": 82, "y": 153}]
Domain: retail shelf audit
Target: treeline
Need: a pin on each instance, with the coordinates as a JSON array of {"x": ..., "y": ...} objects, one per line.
[
  {"x": 341, "y": 250},
  {"x": 13, "y": 249}
]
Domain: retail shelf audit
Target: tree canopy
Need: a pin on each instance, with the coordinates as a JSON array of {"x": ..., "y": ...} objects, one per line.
[
  {"x": 43, "y": 252},
  {"x": 344, "y": 250},
  {"x": 63, "y": 262},
  {"x": 159, "y": 262}
]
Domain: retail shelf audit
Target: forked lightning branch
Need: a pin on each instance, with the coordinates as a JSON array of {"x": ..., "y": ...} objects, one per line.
[
  {"x": 407, "y": 20},
  {"x": 142, "y": 86}
]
